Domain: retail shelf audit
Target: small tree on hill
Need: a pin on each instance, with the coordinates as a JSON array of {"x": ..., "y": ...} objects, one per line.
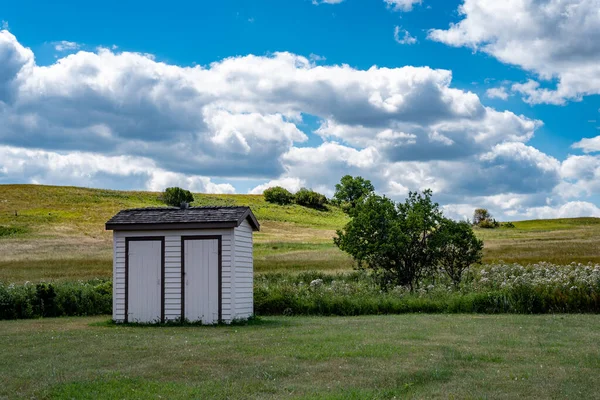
[
  {"x": 481, "y": 215},
  {"x": 278, "y": 195},
  {"x": 174, "y": 196},
  {"x": 351, "y": 190},
  {"x": 397, "y": 241},
  {"x": 458, "y": 248}
]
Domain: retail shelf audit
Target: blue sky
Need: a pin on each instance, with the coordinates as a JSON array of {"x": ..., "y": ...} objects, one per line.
[{"x": 83, "y": 87}]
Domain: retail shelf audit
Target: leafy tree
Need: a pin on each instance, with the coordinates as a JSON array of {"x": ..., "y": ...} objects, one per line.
[
  {"x": 397, "y": 241},
  {"x": 481, "y": 215},
  {"x": 351, "y": 190},
  {"x": 174, "y": 196},
  {"x": 310, "y": 198},
  {"x": 458, "y": 248},
  {"x": 278, "y": 195}
]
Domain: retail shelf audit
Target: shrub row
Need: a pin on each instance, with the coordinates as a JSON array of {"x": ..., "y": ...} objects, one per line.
[
  {"x": 55, "y": 299},
  {"x": 498, "y": 288},
  {"x": 502, "y": 288}
]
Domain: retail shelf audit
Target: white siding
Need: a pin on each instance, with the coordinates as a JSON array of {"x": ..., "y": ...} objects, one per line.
[
  {"x": 244, "y": 271},
  {"x": 172, "y": 270}
]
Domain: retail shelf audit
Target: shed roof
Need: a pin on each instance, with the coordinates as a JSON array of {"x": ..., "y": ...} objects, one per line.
[{"x": 136, "y": 219}]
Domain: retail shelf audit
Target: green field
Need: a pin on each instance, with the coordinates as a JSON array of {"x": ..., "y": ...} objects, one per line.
[
  {"x": 378, "y": 357},
  {"x": 58, "y": 233}
]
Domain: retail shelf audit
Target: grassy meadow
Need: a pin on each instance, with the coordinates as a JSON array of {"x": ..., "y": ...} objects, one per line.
[
  {"x": 374, "y": 357},
  {"x": 57, "y": 233}
]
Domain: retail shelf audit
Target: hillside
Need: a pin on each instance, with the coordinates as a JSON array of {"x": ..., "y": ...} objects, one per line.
[{"x": 55, "y": 232}]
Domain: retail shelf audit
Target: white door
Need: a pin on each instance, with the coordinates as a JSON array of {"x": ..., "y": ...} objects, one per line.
[
  {"x": 201, "y": 292},
  {"x": 144, "y": 283}
]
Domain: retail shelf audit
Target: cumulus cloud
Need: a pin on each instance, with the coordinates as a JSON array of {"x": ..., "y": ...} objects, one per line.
[
  {"x": 462, "y": 135},
  {"x": 556, "y": 39},
  {"x": 581, "y": 177},
  {"x": 497, "y": 93},
  {"x": 124, "y": 120},
  {"x": 588, "y": 145},
  {"x": 95, "y": 170},
  {"x": 227, "y": 119},
  {"x": 402, "y": 36},
  {"x": 572, "y": 209},
  {"x": 64, "y": 45},
  {"x": 402, "y": 5}
]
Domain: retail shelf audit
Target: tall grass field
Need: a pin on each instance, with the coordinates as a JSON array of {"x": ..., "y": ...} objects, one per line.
[{"x": 57, "y": 233}]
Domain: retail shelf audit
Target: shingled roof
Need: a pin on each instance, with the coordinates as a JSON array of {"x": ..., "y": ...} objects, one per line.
[{"x": 181, "y": 218}]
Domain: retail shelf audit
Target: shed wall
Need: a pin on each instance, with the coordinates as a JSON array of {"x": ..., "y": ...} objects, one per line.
[
  {"x": 244, "y": 271},
  {"x": 172, "y": 280}
]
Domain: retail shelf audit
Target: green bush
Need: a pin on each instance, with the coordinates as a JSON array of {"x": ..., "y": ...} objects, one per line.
[
  {"x": 55, "y": 299},
  {"x": 278, "y": 195},
  {"x": 174, "y": 196},
  {"x": 489, "y": 224},
  {"x": 11, "y": 230},
  {"x": 310, "y": 198}
]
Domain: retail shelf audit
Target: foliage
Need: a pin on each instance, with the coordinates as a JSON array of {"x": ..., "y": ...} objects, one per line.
[
  {"x": 278, "y": 195},
  {"x": 351, "y": 190},
  {"x": 11, "y": 230},
  {"x": 494, "y": 288},
  {"x": 55, "y": 299},
  {"x": 488, "y": 224},
  {"x": 508, "y": 225},
  {"x": 483, "y": 219},
  {"x": 396, "y": 241},
  {"x": 309, "y": 198},
  {"x": 459, "y": 248},
  {"x": 174, "y": 196},
  {"x": 480, "y": 215},
  {"x": 497, "y": 288}
]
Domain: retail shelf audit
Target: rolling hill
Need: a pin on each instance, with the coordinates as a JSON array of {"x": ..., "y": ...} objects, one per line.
[{"x": 57, "y": 232}]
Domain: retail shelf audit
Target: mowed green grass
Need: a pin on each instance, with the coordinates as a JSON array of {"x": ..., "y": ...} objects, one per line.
[
  {"x": 60, "y": 234},
  {"x": 384, "y": 357}
]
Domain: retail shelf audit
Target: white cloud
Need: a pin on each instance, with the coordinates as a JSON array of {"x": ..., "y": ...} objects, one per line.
[
  {"x": 402, "y": 36},
  {"x": 227, "y": 119},
  {"x": 402, "y": 5},
  {"x": 588, "y": 145},
  {"x": 124, "y": 120},
  {"x": 95, "y": 170},
  {"x": 573, "y": 209},
  {"x": 4, "y": 25},
  {"x": 64, "y": 45},
  {"x": 581, "y": 177},
  {"x": 556, "y": 39},
  {"x": 497, "y": 93}
]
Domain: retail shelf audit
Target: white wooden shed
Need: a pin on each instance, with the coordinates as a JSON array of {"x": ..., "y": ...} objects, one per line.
[{"x": 193, "y": 263}]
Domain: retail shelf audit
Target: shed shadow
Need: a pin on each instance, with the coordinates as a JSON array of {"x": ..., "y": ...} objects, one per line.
[{"x": 252, "y": 322}]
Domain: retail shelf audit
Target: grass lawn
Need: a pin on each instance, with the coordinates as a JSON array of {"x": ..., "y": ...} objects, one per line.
[{"x": 414, "y": 356}]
